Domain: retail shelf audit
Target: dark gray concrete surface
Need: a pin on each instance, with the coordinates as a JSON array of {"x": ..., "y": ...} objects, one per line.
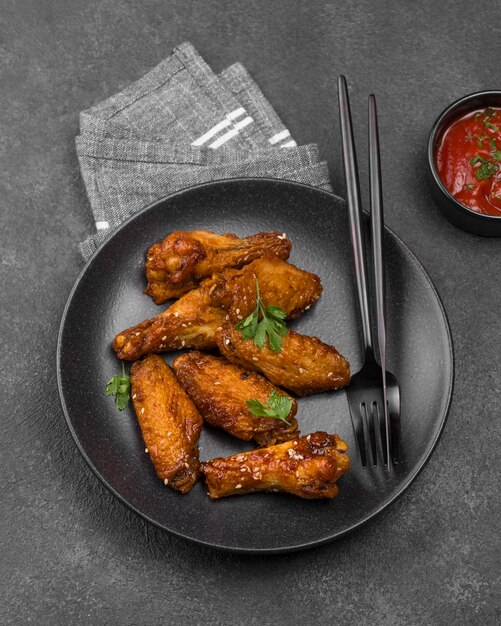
[{"x": 72, "y": 554}]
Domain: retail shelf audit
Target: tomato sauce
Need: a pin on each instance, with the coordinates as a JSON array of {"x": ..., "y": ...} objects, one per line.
[{"x": 469, "y": 160}]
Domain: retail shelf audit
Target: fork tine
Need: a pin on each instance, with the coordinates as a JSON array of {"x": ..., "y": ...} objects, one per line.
[
  {"x": 395, "y": 437},
  {"x": 382, "y": 434},
  {"x": 371, "y": 413},
  {"x": 394, "y": 411},
  {"x": 358, "y": 427}
]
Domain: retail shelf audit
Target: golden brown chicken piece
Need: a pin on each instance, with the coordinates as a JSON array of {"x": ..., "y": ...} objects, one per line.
[
  {"x": 308, "y": 467},
  {"x": 220, "y": 390},
  {"x": 305, "y": 365},
  {"x": 192, "y": 321},
  {"x": 183, "y": 259},
  {"x": 280, "y": 284},
  {"x": 170, "y": 422}
]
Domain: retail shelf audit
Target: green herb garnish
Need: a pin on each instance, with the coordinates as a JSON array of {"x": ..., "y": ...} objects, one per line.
[
  {"x": 496, "y": 155},
  {"x": 272, "y": 323},
  {"x": 478, "y": 159},
  {"x": 278, "y": 407},
  {"x": 470, "y": 186},
  {"x": 480, "y": 139},
  {"x": 492, "y": 144},
  {"x": 119, "y": 386},
  {"x": 488, "y": 124},
  {"x": 488, "y": 112},
  {"x": 486, "y": 169}
]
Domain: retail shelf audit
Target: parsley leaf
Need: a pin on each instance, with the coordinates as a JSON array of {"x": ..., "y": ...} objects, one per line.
[
  {"x": 488, "y": 112},
  {"x": 119, "y": 386},
  {"x": 490, "y": 125},
  {"x": 480, "y": 139},
  {"x": 272, "y": 323},
  {"x": 477, "y": 159},
  {"x": 486, "y": 169},
  {"x": 470, "y": 186},
  {"x": 278, "y": 407}
]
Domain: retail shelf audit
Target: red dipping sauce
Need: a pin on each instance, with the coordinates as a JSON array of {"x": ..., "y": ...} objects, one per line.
[{"x": 469, "y": 160}]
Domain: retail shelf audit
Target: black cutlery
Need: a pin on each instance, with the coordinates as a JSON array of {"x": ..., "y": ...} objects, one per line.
[{"x": 373, "y": 394}]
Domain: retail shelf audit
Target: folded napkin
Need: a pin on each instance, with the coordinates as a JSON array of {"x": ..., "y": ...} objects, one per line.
[{"x": 178, "y": 126}]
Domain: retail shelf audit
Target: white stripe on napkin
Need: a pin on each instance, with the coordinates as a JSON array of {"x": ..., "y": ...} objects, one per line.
[
  {"x": 243, "y": 123},
  {"x": 289, "y": 144},
  {"x": 210, "y": 133},
  {"x": 102, "y": 225},
  {"x": 279, "y": 136},
  {"x": 236, "y": 113},
  {"x": 224, "y": 138}
]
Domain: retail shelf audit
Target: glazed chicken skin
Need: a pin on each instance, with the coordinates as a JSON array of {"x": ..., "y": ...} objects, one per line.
[
  {"x": 193, "y": 320},
  {"x": 220, "y": 390},
  {"x": 305, "y": 365},
  {"x": 183, "y": 259},
  {"x": 307, "y": 467},
  {"x": 170, "y": 422},
  {"x": 280, "y": 283}
]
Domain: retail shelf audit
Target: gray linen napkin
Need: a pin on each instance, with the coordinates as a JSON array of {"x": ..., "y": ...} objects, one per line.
[{"x": 178, "y": 126}]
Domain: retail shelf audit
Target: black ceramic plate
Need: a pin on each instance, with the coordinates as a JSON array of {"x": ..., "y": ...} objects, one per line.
[{"x": 108, "y": 297}]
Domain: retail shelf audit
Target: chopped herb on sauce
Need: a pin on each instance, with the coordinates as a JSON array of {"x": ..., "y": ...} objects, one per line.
[
  {"x": 486, "y": 169},
  {"x": 490, "y": 125},
  {"x": 481, "y": 139}
]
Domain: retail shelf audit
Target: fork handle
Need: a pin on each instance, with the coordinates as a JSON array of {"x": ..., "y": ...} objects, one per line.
[
  {"x": 354, "y": 211},
  {"x": 377, "y": 232},
  {"x": 377, "y": 226}
]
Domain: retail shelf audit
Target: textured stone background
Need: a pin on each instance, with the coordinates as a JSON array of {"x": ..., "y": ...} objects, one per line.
[{"x": 72, "y": 554}]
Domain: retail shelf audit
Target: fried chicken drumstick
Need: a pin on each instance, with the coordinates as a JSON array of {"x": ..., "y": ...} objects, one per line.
[
  {"x": 307, "y": 467},
  {"x": 193, "y": 320},
  {"x": 170, "y": 422},
  {"x": 220, "y": 390},
  {"x": 305, "y": 365},
  {"x": 183, "y": 259}
]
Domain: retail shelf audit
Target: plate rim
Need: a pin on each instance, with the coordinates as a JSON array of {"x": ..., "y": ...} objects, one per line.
[{"x": 236, "y": 549}]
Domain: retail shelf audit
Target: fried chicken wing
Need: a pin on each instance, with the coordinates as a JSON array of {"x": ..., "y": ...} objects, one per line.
[
  {"x": 220, "y": 390},
  {"x": 170, "y": 422},
  {"x": 280, "y": 283},
  {"x": 192, "y": 321},
  {"x": 183, "y": 259},
  {"x": 305, "y": 365},
  {"x": 308, "y": 467}
]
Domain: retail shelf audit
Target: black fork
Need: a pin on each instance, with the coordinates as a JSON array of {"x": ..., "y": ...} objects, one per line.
[{"x": 373, "y": 394}]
